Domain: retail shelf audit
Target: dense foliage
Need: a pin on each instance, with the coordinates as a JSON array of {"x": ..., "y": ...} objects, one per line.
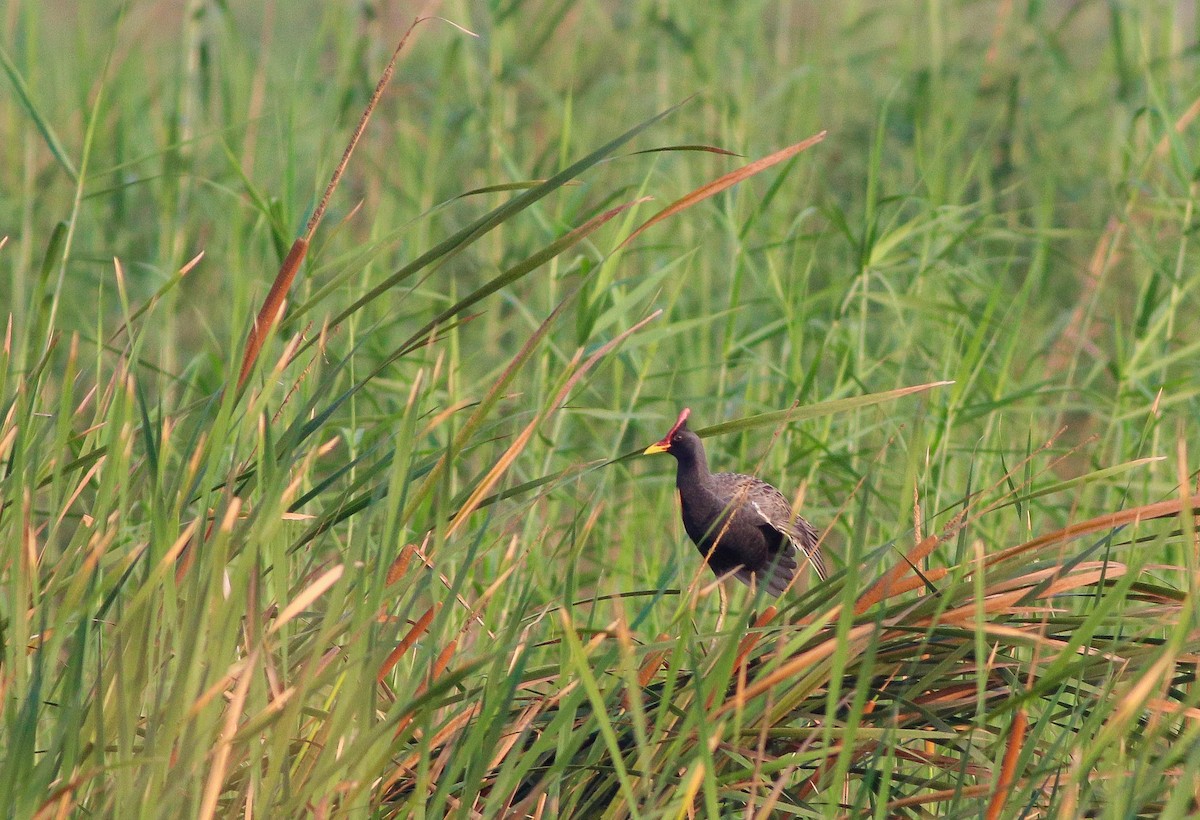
[{"x": 412, "y": 565}]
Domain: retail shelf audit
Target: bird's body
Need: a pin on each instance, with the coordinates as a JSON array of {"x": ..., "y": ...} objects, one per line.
[{"x": 740, "y": 524}]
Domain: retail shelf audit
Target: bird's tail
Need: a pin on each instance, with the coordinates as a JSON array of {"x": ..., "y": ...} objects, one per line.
[
  {"x": 817, "y": 559},
  {"x": 808, "y": 544}
]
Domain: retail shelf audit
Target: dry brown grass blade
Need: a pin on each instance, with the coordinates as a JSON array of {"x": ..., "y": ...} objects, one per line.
[
  {"x": 218, "y": 688},
  {"x": 910, "y": 584},
  {"x": 1181, "y": 125},
  {"x": 311, "y": 593},
  {"x": 961, "y": 695},
  {"x": 653, "y": 662},
  {"x": 407, "y": 641},
  {"x": 1036, "y": 577},
  {"x": 748, "y": 643},
  {"x": 942, "y": 760},
  {"x": 890, "y": 584},
  {"x": 513, "y": 731},
  {"x": 999, "y": 29},
  {"x": 407, "y": 766},
  {"x": 1085, "y": 578},
  {"x": 273, "y": 304},
  {"x": 224, "y": 747},
  {"x": 484, "y": 405},
  {"x": 61, "y": 802},
  {"x": 856, "y": 640},
  {"x": 505, "y": 461},
  {"x": 745, "y": 647},
  {"x": 695, "y": 777},
  {"x": 1130, "y": 705},
  {"x": 937, "y": 797},
  {"x": 439, "y": 666},
  {"x": 1024, "y": 637},
  {"x": 187, "y": 558},
  {"x": 1172, "y": 708},
  {"x": 1009, "y": 601},
  {"x": 422, "y": 553},
  {"x": 1146, "y": 512},
  {"x": 154, "y": 300},
  {"x": 1016, "y": 740},
  {"x": 1081, "y": 330},
  {"x": 399, "y": 567},
  {"x": 721, "y": 183}
]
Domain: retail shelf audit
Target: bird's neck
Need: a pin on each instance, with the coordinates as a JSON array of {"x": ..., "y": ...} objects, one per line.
[{"x": 692, "y": 469}]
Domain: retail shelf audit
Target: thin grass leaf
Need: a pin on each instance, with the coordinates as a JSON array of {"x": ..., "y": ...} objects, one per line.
[
  {"x": 455, "y": 244},
  {"x": 727, "y": 181},
  {"x": 812, "y": 411},
  {"x": 43, "y": 125},
  {"x": 517, "y": 272}
]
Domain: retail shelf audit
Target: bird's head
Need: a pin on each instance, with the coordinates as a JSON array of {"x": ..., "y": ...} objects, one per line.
[{"x": 673, "y": 437}]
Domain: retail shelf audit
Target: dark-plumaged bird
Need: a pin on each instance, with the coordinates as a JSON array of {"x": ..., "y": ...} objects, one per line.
[{"x": 756, "y": 535}]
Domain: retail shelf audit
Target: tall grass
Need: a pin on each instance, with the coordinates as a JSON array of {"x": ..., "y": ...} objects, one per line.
[{"x": 402, "y": 560}]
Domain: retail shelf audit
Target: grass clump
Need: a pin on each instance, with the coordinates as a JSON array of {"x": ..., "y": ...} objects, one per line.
[{"x": 374, "y": 542}]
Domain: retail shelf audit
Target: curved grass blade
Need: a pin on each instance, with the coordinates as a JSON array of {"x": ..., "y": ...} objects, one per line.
[
  {"x": 721, "y": 183},
  {"x": 351, "y": 504},
  {"x": 420, "y": 337},
  {"x": 43, "y": 126},
  {"x": 812, "y": 411},
  {"x": 708, "y": 149},
  {"x": 484, "y": 487},
  {"x": 272, "y": 306},
  {"x": 505, "y": 187},
  {"x": 518, "y": 271},
  {"x": 454, "y": 244}
]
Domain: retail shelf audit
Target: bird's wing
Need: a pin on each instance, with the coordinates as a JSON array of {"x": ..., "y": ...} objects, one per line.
[
  {"x": 776, "y": 513},
  {"x": 804, "y": 536},
  {"x": 769, "y": 505}
]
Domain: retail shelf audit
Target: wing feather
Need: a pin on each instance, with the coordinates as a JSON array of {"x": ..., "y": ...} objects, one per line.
[{"x": 769, "y": 504}]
